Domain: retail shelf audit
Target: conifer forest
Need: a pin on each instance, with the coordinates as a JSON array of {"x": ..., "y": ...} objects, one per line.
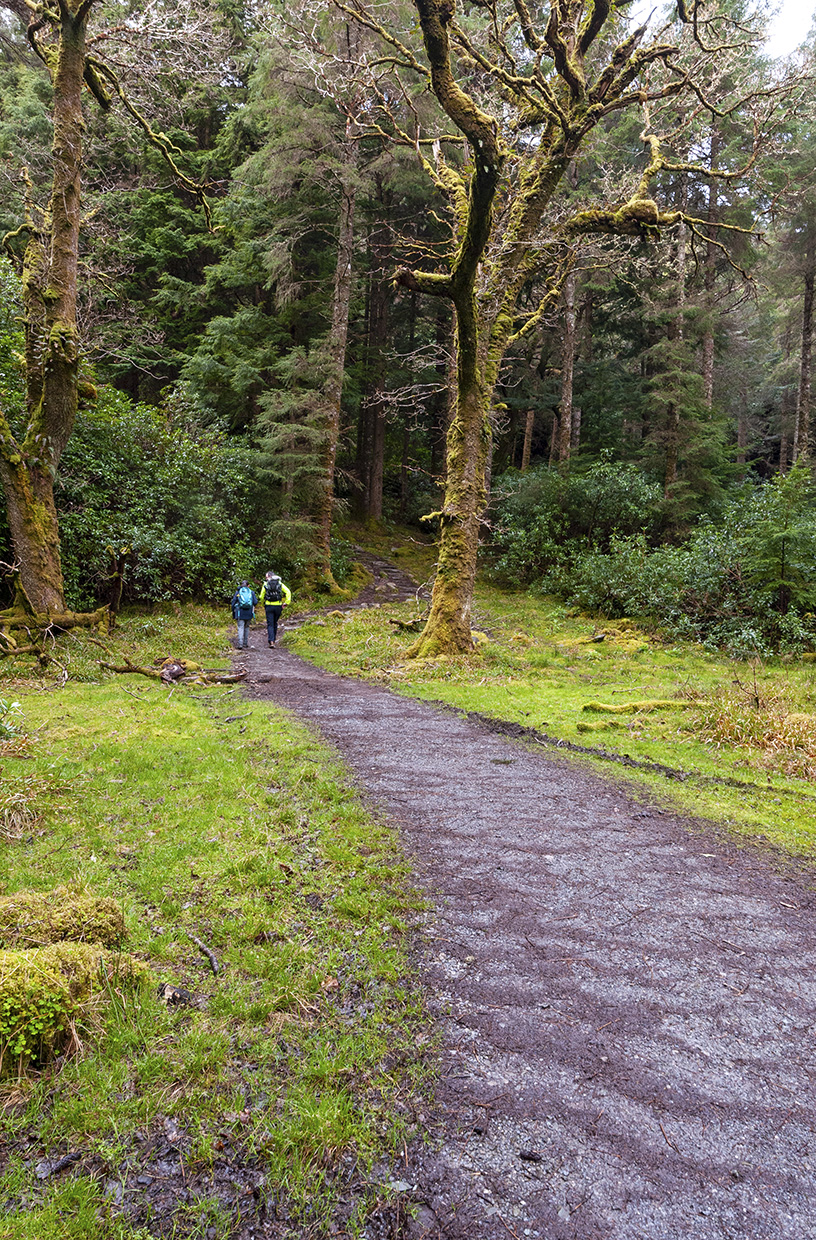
[{"x": 534, "y": 278}]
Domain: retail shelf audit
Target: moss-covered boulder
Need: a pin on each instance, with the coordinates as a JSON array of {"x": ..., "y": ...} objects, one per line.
[
  {"x": 46, "y": 992},
  {"x": 66, "y": 914}
]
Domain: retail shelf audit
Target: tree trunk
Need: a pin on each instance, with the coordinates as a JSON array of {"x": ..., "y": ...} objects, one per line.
[
  {"x": 362, "y": 463},
  {"x": 709, "y": 277},
  {"x": 676, "y": 333},
  {"x": 446, "y": 379},
  {"x": 336, "y": 361},
  {"x": 742, "y": 428},
  {"x": 468, "y": 447},
  {"x": 28, "y": 466},
  {"x": 567, "y": 369},
  {"x": 554, "y": 437},
  {"x": 528, "y": 441},
  {"x": 575, "y": 437},
  {"x": 405, "y": 458},
  {"x": 377, "y": 340},
  {"x": 373, "y": 408},
  {"x": 32, "y": 518},
  {"x": 801, "y": 448}
]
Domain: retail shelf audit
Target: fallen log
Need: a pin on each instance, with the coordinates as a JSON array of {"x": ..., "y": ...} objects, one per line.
[
  {"x": 633, "y": 708},
  {"x": 23, "y": 615},
  {"x": 44, "y": 621}
]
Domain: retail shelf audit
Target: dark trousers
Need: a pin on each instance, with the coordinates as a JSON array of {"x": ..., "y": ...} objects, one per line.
[{"x": 272, "y": 618}]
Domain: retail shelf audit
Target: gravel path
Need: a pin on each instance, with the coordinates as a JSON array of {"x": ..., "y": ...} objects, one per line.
[{"x": 626, "y": 999}]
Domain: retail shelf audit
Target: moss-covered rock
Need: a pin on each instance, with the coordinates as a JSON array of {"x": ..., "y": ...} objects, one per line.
[
  {"x": 66, "y": 914},
  {"x": 46, "y": 991}
]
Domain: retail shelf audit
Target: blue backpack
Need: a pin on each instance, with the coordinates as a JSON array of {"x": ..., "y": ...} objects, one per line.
[{"x": 244, "y": 597}]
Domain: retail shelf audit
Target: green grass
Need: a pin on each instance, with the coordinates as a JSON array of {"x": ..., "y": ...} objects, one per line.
[
  {"x": 537, "y": 665},
  {"x": 206, "y": 814}
]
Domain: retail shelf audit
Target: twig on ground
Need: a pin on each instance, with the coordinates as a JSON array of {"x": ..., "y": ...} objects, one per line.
[
  {"x": 667, "y": 1140},
  {"x": 205, "y": 951}
]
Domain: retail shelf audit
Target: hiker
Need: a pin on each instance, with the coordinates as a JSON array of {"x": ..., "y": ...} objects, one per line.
[
  {"x": 274, "y": 596},
  {"x": 243, "y": 609}
]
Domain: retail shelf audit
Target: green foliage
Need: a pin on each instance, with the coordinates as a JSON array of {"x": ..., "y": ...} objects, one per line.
[
  {"x": 545, "y": 518},
  {"x": 746, "y": 583},
  {"x": 31, "y": 1019},
  {"x": 9, "y": 713},
  {"x": 12, "y": 344},
  {"x": 186, "y": 507},
  {"x": 43, "y": 990},
  {"x": 342, "y": 559}
]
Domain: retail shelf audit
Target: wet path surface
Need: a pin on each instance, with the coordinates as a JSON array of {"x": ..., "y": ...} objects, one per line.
[{"x": 627, "y": 1001}]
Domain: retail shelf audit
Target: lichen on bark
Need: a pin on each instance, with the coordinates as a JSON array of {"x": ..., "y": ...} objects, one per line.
[{"x": 49, "y": 276}]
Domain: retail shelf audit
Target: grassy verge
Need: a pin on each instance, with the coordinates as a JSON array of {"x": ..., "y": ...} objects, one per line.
[
  {"x": 740, "y": 738},
  {"x": 209, "y": 816}
]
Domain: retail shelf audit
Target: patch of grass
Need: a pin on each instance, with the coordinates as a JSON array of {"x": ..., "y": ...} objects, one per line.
[
  {"x": 541, "y": 665},
  {"x": 203, "y": 814}
]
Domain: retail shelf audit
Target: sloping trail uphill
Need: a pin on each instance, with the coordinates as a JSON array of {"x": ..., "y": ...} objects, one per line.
[{"x": 626, "y": 998}]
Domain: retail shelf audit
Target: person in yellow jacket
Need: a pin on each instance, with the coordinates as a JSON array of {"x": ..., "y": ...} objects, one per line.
[{"x": 274, "y": 596}]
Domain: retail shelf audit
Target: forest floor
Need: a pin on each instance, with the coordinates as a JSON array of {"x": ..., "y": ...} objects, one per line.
[{"x": 624, "y": 995}]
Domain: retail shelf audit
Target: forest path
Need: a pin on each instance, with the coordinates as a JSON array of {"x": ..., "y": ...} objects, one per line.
[{"x": 625, "y": 998}]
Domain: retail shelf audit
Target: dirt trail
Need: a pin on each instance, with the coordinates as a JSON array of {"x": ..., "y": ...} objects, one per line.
[{"x": 626, "y": 999}]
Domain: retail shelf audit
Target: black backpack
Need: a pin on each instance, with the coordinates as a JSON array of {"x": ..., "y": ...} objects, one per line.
[{"x": 273, "y": 592}]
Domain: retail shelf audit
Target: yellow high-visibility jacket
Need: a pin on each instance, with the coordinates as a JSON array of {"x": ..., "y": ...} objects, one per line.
[{"x": 286, "y": 594}]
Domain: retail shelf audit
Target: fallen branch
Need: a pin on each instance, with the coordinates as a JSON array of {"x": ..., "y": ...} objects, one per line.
[
  {"x": 409, "y": 626},
  {"x": 188, "y": 676},
  {"x": 632, "y": 708},
  {"x": 205, "y": 951},
  {"x": 11, "y": 652}
]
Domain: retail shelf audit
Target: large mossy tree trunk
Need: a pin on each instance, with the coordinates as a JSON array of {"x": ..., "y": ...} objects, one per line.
[
  {"x": 499, "y": 194},
  {"x": 468, "y": 450},
  {"x": 28, "y": 462}
]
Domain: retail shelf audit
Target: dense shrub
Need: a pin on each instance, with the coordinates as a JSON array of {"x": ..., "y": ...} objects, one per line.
[
  {"x": 746, "y": 583},
  {"x": 544, "y": 519},
  {"x": 186, "y": 507}
]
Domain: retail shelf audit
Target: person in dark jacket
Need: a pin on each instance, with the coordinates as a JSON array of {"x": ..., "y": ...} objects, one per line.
[
  {"x": 274, "y": 596},
  {"x": 243, "y": 609}
]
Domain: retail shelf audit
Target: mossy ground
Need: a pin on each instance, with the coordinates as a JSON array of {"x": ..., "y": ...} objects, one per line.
[
  {"x": 63, "y": 914},
  {"x": 205, "y": 815},
  {"x": 538, "y": 664}
]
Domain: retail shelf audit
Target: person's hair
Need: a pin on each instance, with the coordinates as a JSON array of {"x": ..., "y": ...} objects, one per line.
[
  {"x": 244, "y": 583},
  {"x": 271, "y": 573}
]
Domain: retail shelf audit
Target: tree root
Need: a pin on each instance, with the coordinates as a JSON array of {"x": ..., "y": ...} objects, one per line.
[
  {"x": 22, "y": 615},
  {"x": 16, "y": 618}
]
